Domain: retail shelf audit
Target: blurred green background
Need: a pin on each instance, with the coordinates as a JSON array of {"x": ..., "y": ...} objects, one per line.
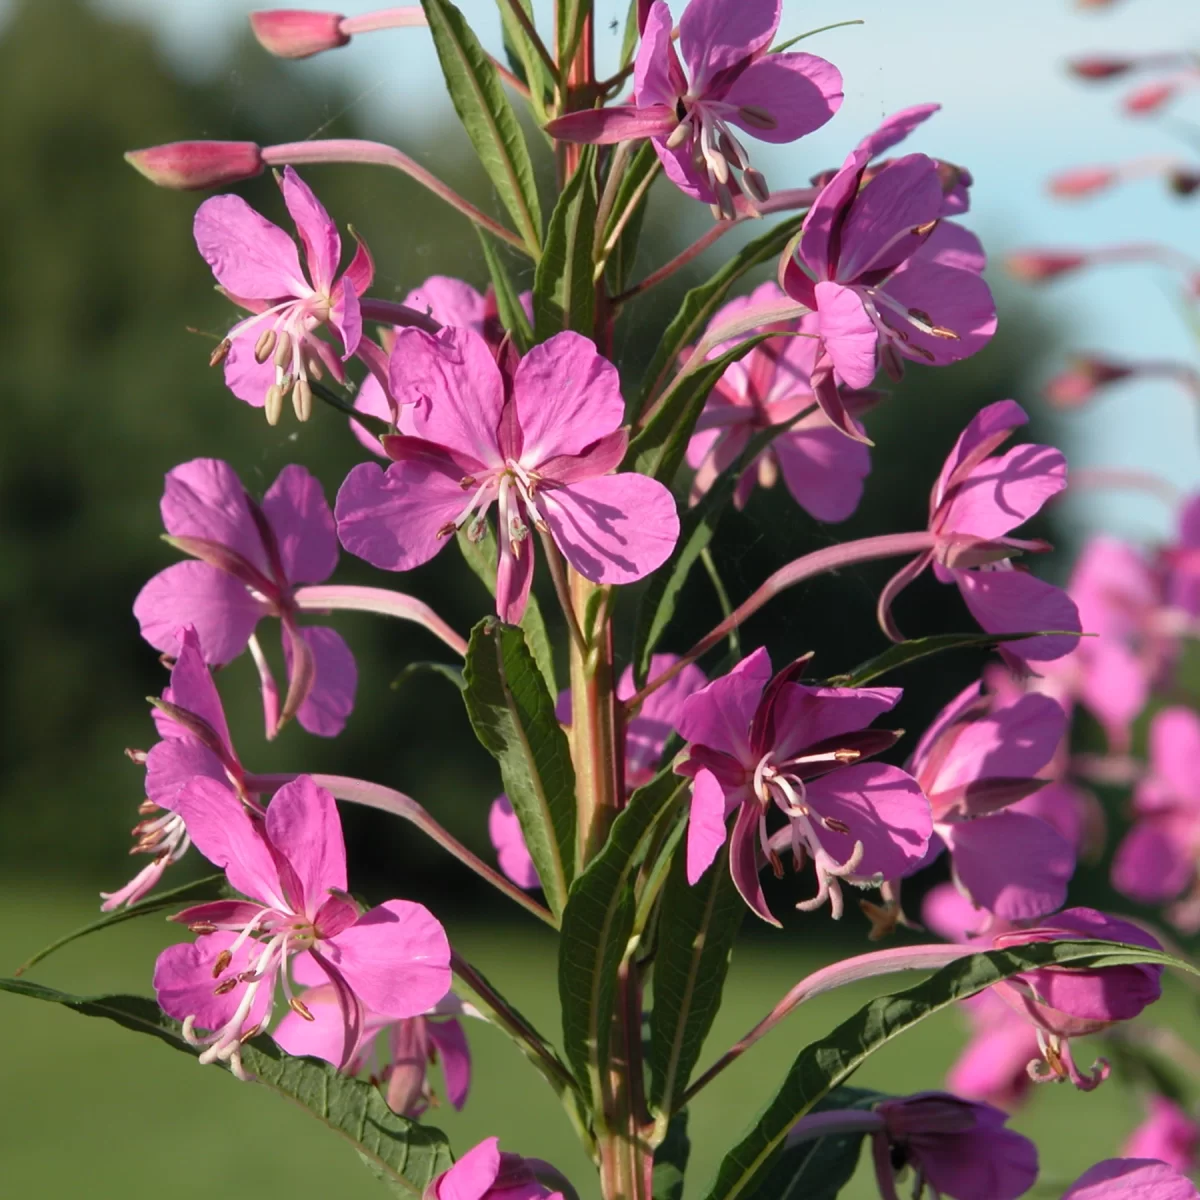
[{"x": 108, "y": 317}]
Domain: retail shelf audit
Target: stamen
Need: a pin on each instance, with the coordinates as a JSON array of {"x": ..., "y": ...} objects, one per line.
[
  {"x": 752, "y": 114},
  {"x": 218, "y": 355},
  {"x": 283, "y": 349},
  {"x": 223, "y": 961},
  {"x": 679, "y": 134},
  {"x": 273, "y": 405},
  {"x": 265, "y": 346},
  {"x": 226, "y": 986},
  {"x": 302, "y": 400},
  {"x": 298, "y": 1006}
]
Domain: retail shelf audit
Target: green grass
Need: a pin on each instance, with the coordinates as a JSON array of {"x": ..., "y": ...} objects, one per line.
[{"x": 93, "y": 1110}]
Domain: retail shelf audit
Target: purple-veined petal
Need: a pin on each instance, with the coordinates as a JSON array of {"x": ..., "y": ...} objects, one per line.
[
  {"x": 185, "y": 985},
  {"x": 848, "y": 334},
  {"x": 345, "y": 316},
  {"x": 330, "y": 701},
  {"x": 451, "y": 1042},
  {"x": 1013, "y": 602},
  {"x": 360, "y": 274},
  {"x": 800, "y": 92},
  {"x": 823, "y": 470},
  {"x": 719, "y": 715},
  {"x": 745, "y": 862},
  {"x": 987, "y": 430},
  {"x": 171, "y": 764},
  {"x": 303, "y": 823},
  {"x": 602, "y": 456},
  {"x": 205, "y": 499},
  {"x": 953, "y": 246},
  {"x": 249, "y": 255},
  {"x": 706, "y": 824},
  {"x": 817, "y": 242},
  {"x": 806, "y": 715},
  {"x": 318, "y": 234},
  {"x": 504, "y": 830},
  {"x": 715, "y": 35},
  {"x": 299, "y": 516},
  {"x": 950, "y": 298},
  {"x": 658, "y": 80},
  {"x": 1004, "y": 491},
  {"x": 192, "y": 688}
]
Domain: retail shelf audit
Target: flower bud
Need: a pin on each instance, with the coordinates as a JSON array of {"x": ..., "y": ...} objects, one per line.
[
  {"x": 1080, "y": 382},
  {"x": 1183, "y": 181},
  {"x": 1082, "y": 181},
  {"x": 1099, "y": 68},
  {"x": 190, "y": 165},
  {"x": 296, "y": 32},
  {"x": 1036, "y": 266},
  {"x": 1149, "y": 99}
]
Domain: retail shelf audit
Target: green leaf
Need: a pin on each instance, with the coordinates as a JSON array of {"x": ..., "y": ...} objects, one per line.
[
  {"x": 619, "y": 263},
  {"x": 597, "y": 925},
  {"x": 526, "y": 62},
  {"x": 404, "y": 1153},
  {"x": 630, "y": 39},
  {"x": 564, "y": 296},
  {"x": 902, "y": 653},
  {"x": 570, "y": 16},
  {"x": 512, "y": 712},
  {"x": 211, "y": 887},
  {"x": 671, "y": 1160},
  {"x": 696, "y": 930},
  {"x": 453, "y": 674},
  {"x": 702, "y": 301},
  {"x": 508, "y": 300},
  {"x": 812, "y": 33},
  {"x": 825, "y": 1063},
  {"x": 820, "y": 1168},
  {"x": 480, "y": 556},
  {"x": 658, "y": 449},
  {"x": 482, "y": 106}
]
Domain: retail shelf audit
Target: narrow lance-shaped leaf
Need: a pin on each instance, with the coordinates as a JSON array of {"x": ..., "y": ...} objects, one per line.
[
  {"x": 526, "y": 62},
  {"x": 671, "y": 1159},
  {"x": 825, "y": 1063},
  {"x": 402, "y": 1152},
  {"x": 512, "y": 712},
  {"x": 697, "y": 926},
  {"x": 508, "y": 300},
  {"x": 479, "y": 99},
  {"x": 597, "y": 926},
  {"x": 570, "y": 16},
  {"x": 564, "y": 296},
  {"x": 702, "y": 301},
  {"x": 619, "y": 263},
  {"x": 453, "y": 675}
]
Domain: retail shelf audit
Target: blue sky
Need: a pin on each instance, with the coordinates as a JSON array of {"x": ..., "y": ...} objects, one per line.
[{"x": 1010, "y": 113}]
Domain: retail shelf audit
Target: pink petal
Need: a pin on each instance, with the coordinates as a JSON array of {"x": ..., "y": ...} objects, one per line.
[
  {"x": 1070, "y": 810},
  {"x": 345, "y": 316},
  {"x": 318, "y": 234},
  {"x": 951, "y": 915},
  {"x": 706, "y": 825},
  {"x": 192, "y": 688},
  {"x": 504, "y": 829},
  {"x": 226, "y": 835},
  {"x": 950, "y": 715},
  {"x": 1168, "y": 1134},
  {"x": 455, "y": 388},
  {"x": 618, "y": 123},
  {"x": 824, "y": 470},
  {"x": 1011, "y": 864},
  {"x": 953, "y": 246},
  {"x": 455, "y": 1054},
  {"x": 449, "y": 301},
  {"x": 746, "y": 862},
  {"x": 883, "y": 807},
  {"x": 658, "y": 76},
  {"x": 396, "y": 958},
  {"x": 1015, "y": 601},
  {"x": 514, "y": 578},
  {"x": 360, "y": 274},
  {"x": 205, "y": 499},
  {"x": 806, "y": 715},
  {"x": 715, "y": 35},
  {"x": 303, "y": 526},
  {"x": 615, "y": 528},
  {"x": 848, "y": 334},
  {"x": 986, "y": 1160},
  {"x": 192, "y": 593},
  {"x": 169, "y": 765},
  {"x": 896, "y": 128},
  {"x": 331, "y": 700},
  {"x": 245, "y": 376},
  {"x": 473, "y": 1175},
  {"x": 324, "y": 1036},
  {"x": 1132, "y": 1179},
  {"x": 1005, "y": 491},
  {"x": 303, "y": 824},
  {"x": 647, "y": 733},
  {"x": 951, "y": 298},
  {"x": 392, "y": 519},
  {"x": 993, "y": 1066},
  {"x": 601, "y": 457},
  {"x": 1175, "y": 751},
  {"x": 371, "y": 399},
  {"x": 248, "y": 254},
  {"x": 1155, "y": 861},
  {"x": 987, "y": 431},
  {"x": 800, "y": 91},
  {"x": 827, "y": 213},
  {"x": 718, "y": 716},
  {"x": 184, "y": 981}
]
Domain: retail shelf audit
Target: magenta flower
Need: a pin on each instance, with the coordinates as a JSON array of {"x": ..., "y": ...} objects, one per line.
[
  {"x": 1156, "y": 862},
  {"x": 1132, "y": 1179},
  {"x": 276, "y": 351},
  {"x": 1168, "y": 1134},
  {"x": 393, "y": 960},
  {"x": 250, "y": 559},
  {"x": 887, "y": 278},
  {"x": 823, "y": 470},
  {"x": 539, "y": 442},
  {"x": 486, "y": 1172},
  {"x": 734, "y": 83},
  {"x": 504, "y": 830},
  {"x": 978, "y": 499},
  {"x": 979, "y": 757},
  {"x": 195, "y": 741},
  {"x": 397, "y": 1053},
  {"x": 758, "y": 744}
]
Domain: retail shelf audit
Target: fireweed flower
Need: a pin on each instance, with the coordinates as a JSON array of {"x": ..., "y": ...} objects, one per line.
[
  {"x": 758, "y": 744},
  {"x": 981, "y": 755},
  {"x": 393, "y": 960},
  {"x": 1071, "y": 1002},
  {"x": 822, "y": 469},
  {"x": 538, "y": 441},
  {"x": 397, "y": 1054},
  {"x": 887, "y": 278},
  {"x": 1168, "y": 1134},
  {"x": 646, "y": 735},
  {"x": 734, "y": 83},
  {"x": 978, "y": 499},
  {"x": 194, "y": 741},
  {"x": 486, "y": 1172},
  {"x": 1132, "y": 1179},
  {"x": 250, "y": 558},
  {"x": 276, "y": 351}
]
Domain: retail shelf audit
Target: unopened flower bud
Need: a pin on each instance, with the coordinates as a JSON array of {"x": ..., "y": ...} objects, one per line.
[
  {"x": 1099, "y": 68},
  {"x": 296, "y": 32},
  {"x": 1183, "y": 182},
  {"x": 1080, "y": 382},
  {"x": 1149, "y": 99},
  {"x": 1035, "y": 266},
  {"x": 1082, "y": 182},
  {"x": 191, "y": 165}
]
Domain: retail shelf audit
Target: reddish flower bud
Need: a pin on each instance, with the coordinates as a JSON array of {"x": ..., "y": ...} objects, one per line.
[
  {"x": 1080, "y": 382},
  {"x": 1082, "y": 181},
  {"x": 1035, "y": 266},
  {"x": 1149, "y": 99},
  {"x": 1183, "y": 182},
  {"x": 190, "y": 165},
  {"x": 1099, "y": 68},
  {"x": 296, "y": 32}
]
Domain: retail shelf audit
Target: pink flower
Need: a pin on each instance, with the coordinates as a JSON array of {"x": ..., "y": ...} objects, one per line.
[
  {"x": 392, "y": 960},
  {"x": 823, "y": 470},
  {"x": 539, "y": 441},
  {"x": 276, "y": 350},
  {"x": 396, "y": 1053},
  {"x": 1156, "y": 862},
  {"x": 251, "y": 557},
  {"x": 980, "y": 756},
  {"x": 1132, "y": 1179},
  {"x": 978, "y": 499},
  {"x": 487, "y": 1173},
  {"x": 646, "y": 737},
  {"x": 758, "y": 744},
  {"x": 887, "y": 278},
  {"x": 195, "y": 741},
  {"x": 734, "y": 83},
  {"x": 1168, "y": 1134}
]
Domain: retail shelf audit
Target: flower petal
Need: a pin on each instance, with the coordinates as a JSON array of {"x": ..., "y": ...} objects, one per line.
[
  {"x": 848, "y": 333},
  {"x": 715, "y": 35},
  {"x": 184, "y": 982},
  {"x": 192, "y": 688},
  {"x": 800, "y": 92},
  {"x": 951, "y": 298},
  {"x": 331, "y": 700},
  {"x": 718, "y": 716},
  {"x": 1175, "y": 751},
  {"x": 618, "y": 123},
  {"x": 658, "y": 80},
  {"x": 1155, "y": 861},
  {"x": 249, "y": 255},
  {"x": 245, "y": 376},
  {"x": 303, "y": 824},
  {"x": 1004, "y": 491},
  {"x": 987, "y": 1160},
  {"x": 169, "y": 765},
  {"x": 508, "y": 841},
  {"x": 647, "y": 733},
  {"x": 745, "y": 863},
  {"x": 824, "y": 470},
  {"x": 451, "y": 1041},
  {"x": 205, "y": 499},
  {"x": 318, "y": 234},
  {"x": 1015, "y": 601},
  {"x": 807, "y": 715},
  {"x": 324, "y": 1036},
  {"x": 706, "y": 824},
  {"x": 1132, "y": 1179},
  {"x": 473, "y": 1175},
  {"x": 303, "y": 525},
  {"x": 817, "y": 245},
  {"x": 896, "y": 128}
]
